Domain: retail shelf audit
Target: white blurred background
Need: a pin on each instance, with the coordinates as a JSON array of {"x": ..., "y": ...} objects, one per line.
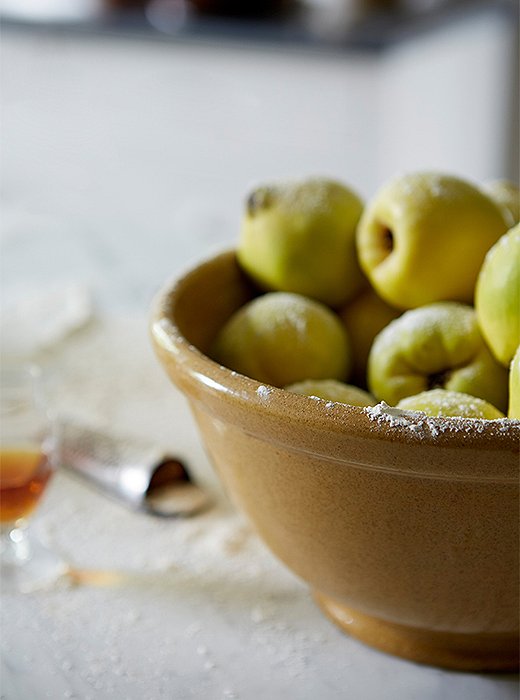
[{"x": 131, "y": 136}]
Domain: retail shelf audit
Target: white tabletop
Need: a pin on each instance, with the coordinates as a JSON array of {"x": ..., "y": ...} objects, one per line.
[{"x": 172, "y": 609}]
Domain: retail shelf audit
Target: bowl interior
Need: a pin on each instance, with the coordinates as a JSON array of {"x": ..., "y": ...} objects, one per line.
[{"x": 204, "y": 300}]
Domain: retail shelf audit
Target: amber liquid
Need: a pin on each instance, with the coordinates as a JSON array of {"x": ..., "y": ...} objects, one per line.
[{"x": 24, "y": 473}]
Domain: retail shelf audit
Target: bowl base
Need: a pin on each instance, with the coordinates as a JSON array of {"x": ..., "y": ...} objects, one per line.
[{"x": 463, "y": 652}]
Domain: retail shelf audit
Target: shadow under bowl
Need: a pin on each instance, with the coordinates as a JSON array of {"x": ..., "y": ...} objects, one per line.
[{"x": 405, "y": 529}]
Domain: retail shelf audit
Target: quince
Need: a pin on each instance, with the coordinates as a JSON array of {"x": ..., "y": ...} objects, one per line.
[
  {"x": 513, "y": 410},
  {"x": 507, "y": 195},
  {"x": 280, "y": 338},
  {"x": 333, "y": 390},
  {"x": 364, "y": 317},
  {"x": 435, "y": 346},
  {"x": 439, "y": 402},
  {"x": 424, "y": 236},
  {"x": 497, "y": 297},
  {"x": 300, "y": 237}
]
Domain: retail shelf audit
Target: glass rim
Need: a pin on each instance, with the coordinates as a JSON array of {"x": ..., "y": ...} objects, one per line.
[{"x": 21, "y": 385}]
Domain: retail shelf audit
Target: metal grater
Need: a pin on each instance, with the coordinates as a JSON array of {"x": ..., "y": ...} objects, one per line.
[{"x": 135, "y": 473}]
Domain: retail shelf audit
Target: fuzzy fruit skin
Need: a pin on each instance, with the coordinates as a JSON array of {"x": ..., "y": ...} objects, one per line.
[
  {"x": 435, "y": 346},
  {"x": 300, "y": 237},
  {"x": 364, "y": 317},
  {"x": 280, "y": 338},
  {"x": 332, "y": 390},
  {"x": 513, "y": 410},
  {"x": 439, "y": 402},
  {"x": 424, "y": 236},
  {"x": 497, "y": 296},
  {"x": 507, "y": 195}
]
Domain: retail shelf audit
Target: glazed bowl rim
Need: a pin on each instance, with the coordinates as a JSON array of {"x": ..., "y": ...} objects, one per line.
[{"x": 380, "y": 422}]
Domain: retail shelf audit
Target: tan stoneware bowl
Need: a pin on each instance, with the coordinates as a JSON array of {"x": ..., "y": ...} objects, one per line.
[{"x": 405, "y": 528}]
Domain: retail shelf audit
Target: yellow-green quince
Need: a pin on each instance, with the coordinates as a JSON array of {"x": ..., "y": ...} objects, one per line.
[
  {"x": 300, "y": 237},
  {"x": 435, "y": 346},
  {"x": 280, "y": 338},
  {"x": 423, "y": 238}
]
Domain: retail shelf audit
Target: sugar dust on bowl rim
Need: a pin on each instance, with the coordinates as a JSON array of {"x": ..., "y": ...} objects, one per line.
[{"x": 404, "y": 527}]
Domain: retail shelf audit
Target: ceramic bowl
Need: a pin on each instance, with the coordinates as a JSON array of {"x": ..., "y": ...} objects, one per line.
[{"x": 404, "y": 527}]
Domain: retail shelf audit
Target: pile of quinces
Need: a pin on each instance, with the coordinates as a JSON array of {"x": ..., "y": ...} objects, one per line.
[{"x": 412, "y": 298}]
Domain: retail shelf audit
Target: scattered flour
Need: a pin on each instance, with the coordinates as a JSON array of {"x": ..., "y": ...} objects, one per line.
[
  {"x": 417, "y": 423},
  {"x": 263, "y": 391},
  {"x": 154, "y": 599},
  {"x": 309, "y": 197},
  {"x": 393, "y": 416}
]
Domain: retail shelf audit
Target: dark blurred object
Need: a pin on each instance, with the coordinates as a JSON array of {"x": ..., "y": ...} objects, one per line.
[
  {"x": 367, "y": 25},
  {"x": 231, "y": 18},
  {"x": 125, "y": 4},
  {"x": 237, "y": 8}
]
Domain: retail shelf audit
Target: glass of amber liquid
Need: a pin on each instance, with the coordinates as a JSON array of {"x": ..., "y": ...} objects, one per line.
[{"x": 28, "y": 452}]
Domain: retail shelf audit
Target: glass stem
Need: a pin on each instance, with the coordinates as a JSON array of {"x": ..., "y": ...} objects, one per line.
[{"x": 14, "y": 542}]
